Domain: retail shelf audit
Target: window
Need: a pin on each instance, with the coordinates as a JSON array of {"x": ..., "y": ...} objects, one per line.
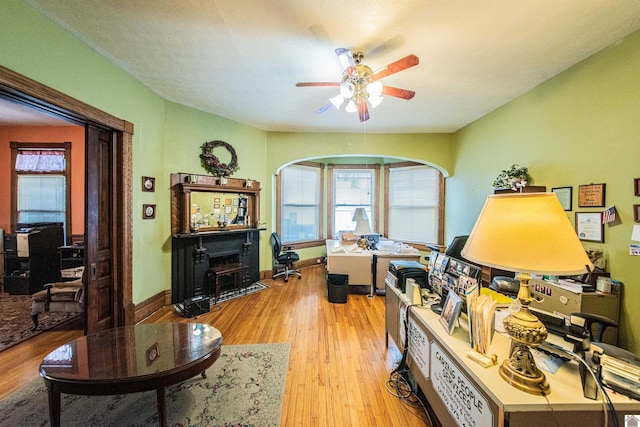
[
  {"x": 299, "y": 217},
  {"x": 40, "y": 183},
  {"x": 353, "y": 187},
  {"x": 414, "y": 205}
]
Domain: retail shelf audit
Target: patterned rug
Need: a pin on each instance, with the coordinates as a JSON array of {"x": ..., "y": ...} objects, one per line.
[
  {"x": 16, "y": 323},
  {"x": 244, "y": 387}
]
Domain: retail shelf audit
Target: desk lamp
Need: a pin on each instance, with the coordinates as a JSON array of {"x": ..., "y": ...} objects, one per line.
[
  {"x": 525, "y": 233},
  {"x": 362, "y": 226}
]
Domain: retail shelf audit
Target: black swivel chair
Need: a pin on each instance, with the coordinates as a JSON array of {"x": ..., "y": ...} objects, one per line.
[{"x": 283, "y": 259}]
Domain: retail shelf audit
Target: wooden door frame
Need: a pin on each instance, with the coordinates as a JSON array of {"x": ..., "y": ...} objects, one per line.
[{"x": 29, "y": 92}]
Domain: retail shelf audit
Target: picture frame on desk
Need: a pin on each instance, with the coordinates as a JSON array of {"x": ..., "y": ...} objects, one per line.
[{"x": 450, "y": 312}]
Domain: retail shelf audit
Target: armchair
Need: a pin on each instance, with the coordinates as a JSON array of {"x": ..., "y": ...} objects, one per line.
[
  {"x": 58, "y": 297},
  {"x": 283, "y": 259}
]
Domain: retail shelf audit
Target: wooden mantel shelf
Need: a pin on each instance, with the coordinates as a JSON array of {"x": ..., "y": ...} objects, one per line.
[
  {"x": 184, "y": 184},
  {"x": 215, "y": 232}
]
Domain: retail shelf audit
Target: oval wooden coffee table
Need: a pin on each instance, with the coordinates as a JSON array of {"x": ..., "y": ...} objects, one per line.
[{"x": 130, "y": 359}]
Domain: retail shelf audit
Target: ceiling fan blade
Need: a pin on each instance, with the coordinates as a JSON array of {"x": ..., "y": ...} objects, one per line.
[
  {"x": 395, "y": 67},
  {"x": 311, "y": 84},
  {"x": 324, "y": 108},
  {"x": 397, "y": 92},
  {"x": 346, "y": 59},
  {"x": 363, "y": 110}
]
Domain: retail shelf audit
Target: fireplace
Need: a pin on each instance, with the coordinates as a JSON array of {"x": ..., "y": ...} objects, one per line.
[
  {"x": 193, "y": 254},
  {"x": 220, "y": 262}
]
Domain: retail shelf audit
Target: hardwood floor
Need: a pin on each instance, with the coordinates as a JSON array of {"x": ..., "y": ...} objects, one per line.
[{"x": 339, "y": 363}]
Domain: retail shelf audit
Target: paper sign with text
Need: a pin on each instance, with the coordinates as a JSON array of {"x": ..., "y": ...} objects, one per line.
[
  {"x": 464, "y": 402},
  {"x": 419, "y": 347}
]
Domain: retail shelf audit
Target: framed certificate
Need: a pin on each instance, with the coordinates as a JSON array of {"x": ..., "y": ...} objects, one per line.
[
  {"x": 589, "y": 226},
  {"x": 565, "y": 196},
  {"x": 591, "y": 196}
]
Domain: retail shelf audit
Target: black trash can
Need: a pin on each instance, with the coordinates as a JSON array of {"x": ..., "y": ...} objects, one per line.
[{"x": 338, "y": 288}]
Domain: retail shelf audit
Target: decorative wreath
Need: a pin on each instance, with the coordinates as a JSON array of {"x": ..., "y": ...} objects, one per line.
[{"x": 212, "y": 164}]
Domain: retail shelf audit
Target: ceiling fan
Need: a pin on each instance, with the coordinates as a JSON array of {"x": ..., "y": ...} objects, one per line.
[{"x": 360, "y": 86}]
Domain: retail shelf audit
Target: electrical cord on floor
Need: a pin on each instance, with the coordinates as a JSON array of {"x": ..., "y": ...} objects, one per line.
[{"x": 398, "y": 384}]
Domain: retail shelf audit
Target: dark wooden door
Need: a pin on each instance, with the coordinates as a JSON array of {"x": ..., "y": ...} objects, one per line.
[{"x": 99, "y": 248}]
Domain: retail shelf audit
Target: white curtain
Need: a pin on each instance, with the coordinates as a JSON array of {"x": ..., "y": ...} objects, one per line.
[{"x": 40, "y": 161}]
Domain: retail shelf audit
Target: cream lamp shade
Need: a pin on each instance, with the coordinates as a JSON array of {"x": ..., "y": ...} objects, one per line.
[
  {"x": 359, "y": 215},
  {"x": 362, "y": 222},
  {"x": 362, "y": 227},
  {"x": 527, "y": 233}
]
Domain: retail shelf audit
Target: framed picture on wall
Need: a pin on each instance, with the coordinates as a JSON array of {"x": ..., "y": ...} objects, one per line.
[
  {"x": 589, "y": 226},
  {"x": 148, "y": 211},
  {"x": 636, "y": 213},
  {"x": 565, "y": 196},
  {"x": 591, "y": 196},
  {"x": 636, "y": 186},
  {"x": 148, "y": 183}
]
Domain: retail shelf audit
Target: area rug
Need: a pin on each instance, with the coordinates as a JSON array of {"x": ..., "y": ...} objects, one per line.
[
  {"x": 16, "y": 323},
  {"x": 232, "y": 294},
  {"x": 244, "y": 387}
]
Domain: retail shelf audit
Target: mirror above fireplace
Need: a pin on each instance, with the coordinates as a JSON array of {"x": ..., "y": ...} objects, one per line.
[{"x": 200, "y": 203}]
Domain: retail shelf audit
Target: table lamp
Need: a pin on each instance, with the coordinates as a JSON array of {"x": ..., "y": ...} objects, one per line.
[
  {"x": 525, "y": 233},
  {"x": 362, "y": 226}
]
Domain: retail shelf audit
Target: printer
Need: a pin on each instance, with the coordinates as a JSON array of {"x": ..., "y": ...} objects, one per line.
[{"x": 401, "y": 270}]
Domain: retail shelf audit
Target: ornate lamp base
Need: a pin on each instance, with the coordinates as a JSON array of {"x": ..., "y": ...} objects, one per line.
[
  {"x": 363, "y": 243},
  {"x": 520, "y": 371}
]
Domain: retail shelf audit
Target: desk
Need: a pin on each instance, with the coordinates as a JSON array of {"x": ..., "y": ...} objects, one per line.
[
  {"x": 462, "y": 392},
  {"x": 360, "y": 265},
  {"x": 130, "y": 359}
]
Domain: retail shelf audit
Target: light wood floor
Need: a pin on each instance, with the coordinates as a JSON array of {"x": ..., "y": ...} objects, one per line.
[{"x": 338, "y": 365}]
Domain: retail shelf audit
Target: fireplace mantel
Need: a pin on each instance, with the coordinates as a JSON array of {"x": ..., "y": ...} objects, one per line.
[
  {"x": 194, "y": 253},
  {"x": 194, "y": 250}
]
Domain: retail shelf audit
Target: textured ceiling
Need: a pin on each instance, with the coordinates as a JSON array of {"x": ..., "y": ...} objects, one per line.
[{"x": 241, "y": 59}]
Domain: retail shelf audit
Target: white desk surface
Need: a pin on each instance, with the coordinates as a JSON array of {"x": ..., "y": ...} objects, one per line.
[
  {"x": 566, "y": 387},
  {"x": 334, "y": 243}
]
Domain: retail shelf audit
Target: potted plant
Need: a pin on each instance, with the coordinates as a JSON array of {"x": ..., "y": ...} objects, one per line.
[{"x": 514, "y": 178}]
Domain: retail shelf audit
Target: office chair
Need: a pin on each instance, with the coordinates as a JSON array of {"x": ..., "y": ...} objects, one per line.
[
  {"x": 283, "y": 259},
  {"x": 454, "y": 249}
]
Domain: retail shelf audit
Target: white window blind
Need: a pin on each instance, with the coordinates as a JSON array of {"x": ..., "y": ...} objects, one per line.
[
  {"x": 300, "y": 197},
  {"x": 414, "y": 194},
  {"x": 41, "y": 198},
  {"x": 352, "y": 189}
]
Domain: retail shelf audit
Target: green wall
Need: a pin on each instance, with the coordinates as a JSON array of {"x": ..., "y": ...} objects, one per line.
[{"x": 580, "y": 127}]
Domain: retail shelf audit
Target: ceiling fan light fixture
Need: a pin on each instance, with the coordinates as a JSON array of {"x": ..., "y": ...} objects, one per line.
[
  {"x": 360, "y": 86},
  {"x": 375, "y": 101},
  {"x": 337, "y": 100},
  {"x": 347, "y": 89},
  {"x": 351, "y": 107},
  {"x": 375, "y": 89}
]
